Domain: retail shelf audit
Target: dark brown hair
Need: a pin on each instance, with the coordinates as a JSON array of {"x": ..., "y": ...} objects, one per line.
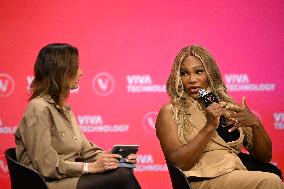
[{"x": 56, "y": 65}]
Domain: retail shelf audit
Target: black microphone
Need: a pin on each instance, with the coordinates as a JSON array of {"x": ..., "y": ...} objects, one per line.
[{"x": 208, "y": 98}]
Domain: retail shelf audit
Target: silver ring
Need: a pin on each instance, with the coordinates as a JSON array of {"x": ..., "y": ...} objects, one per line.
[{"x": 236, "y": 121}]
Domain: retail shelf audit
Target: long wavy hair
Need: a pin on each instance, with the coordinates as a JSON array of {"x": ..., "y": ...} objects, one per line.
[{"x": 55, "y": 67}]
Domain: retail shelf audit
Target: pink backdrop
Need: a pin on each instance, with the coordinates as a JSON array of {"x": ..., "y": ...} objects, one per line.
[{"x": 126, "y": 51}]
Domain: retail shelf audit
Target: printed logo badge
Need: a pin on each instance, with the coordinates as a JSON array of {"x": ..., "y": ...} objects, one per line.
[
  {"x": 29, "y": 82},
  {"x": 143, "y": 84},
  {"x": 7, "y": 85},
  {"x": 3, "y": 167},
  {"x": 241, "y": 82},
  {"x": 95, "y": 123},
  {"x": 149, "y": 121},
  {"x": 146, "y": 163},
  {"x": 278, "y": 120},
  {"x": 103, "y": 84}
]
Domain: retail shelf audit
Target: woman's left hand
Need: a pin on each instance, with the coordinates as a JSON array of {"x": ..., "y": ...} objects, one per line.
[
  {"x": 132, "y": 158},
  {"x": 261, "y": 146},
  {"x": 242, "y": 116}
]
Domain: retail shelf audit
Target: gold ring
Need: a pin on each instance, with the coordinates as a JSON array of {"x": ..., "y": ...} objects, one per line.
[{"x": 226, "y": 105}]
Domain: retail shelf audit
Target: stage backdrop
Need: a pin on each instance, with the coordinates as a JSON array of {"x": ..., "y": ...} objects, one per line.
[{"x": 126, "y": 51}]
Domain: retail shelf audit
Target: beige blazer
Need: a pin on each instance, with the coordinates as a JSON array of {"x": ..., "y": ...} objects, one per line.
[
  {"x": 218, "y": 157},
  {"x": 52, "y": 145}
]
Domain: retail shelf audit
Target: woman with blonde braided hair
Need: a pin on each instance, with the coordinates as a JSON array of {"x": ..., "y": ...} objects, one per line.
[{"x": 190, "y": 135}]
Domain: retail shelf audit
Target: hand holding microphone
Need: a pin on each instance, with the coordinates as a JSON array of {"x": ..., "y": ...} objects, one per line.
[
  {"x": 209, "y": 98},
  {"x": 213, "y": 113}
]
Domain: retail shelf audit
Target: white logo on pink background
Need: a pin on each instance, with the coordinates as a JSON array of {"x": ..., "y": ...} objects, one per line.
[
  {"x": 143, "y": 84},
  {"x": 279, "y": 120},
  {"x": 7, "y": 85},
  {"x": 95, "y": 123},
  {"x": 103, "y": 84},
  {"x": 3, "y": 167},
  {"x": 146, "y": 162},
  {"x": 149, "y": 121},
  {"x": 29, "y": 81},
  {"x": 241, "y": 82}
]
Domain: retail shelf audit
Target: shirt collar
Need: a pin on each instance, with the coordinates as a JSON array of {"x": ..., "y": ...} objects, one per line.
[{"x": 50, "y": 100}]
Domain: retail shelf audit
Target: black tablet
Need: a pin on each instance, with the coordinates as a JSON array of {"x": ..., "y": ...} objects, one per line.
[{"x": 124, "y": 150}]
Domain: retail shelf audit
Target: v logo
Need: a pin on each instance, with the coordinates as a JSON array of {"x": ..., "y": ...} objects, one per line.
[
  {"x": 3, "y": 166},
  {"x": 151, "y": 122},
  {"x": 3, "y": 85},
  {"x": 103, "y": 84},
  {"x": 7, "y": 84}
]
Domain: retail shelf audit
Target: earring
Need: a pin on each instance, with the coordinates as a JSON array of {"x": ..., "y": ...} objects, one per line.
[
  {"x": 180, "y": 89},
  {"x": 180, "y": 86}
]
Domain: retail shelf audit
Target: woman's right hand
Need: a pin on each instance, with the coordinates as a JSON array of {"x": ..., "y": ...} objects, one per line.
[
  {"x": 213, "y": 113},
  {"x": 104, "y": 163}
]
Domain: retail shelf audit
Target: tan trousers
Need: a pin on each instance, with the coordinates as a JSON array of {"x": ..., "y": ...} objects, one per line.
[{"x": 241, "y": 179}]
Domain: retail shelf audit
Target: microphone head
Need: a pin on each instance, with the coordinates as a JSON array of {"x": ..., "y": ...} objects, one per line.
[
  {"x": 202, "y": 92},
  {"x": 207, "y": 97}
]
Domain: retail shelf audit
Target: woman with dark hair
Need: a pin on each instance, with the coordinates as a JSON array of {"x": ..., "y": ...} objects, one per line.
[
  {"x": 190, "y": 135},
  {"x": 48, "y": 138}
]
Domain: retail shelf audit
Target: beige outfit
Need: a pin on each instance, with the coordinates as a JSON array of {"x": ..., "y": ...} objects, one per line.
[
  {"x": 219, "y": 163},
  {"x": 47, "y": 142}
]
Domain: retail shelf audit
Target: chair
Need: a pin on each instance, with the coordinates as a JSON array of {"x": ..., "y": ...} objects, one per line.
[
  {"x": 253, "y": 165},
  {"x": 179, "y": 180},
  {"x": 22, "y": 176}
]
